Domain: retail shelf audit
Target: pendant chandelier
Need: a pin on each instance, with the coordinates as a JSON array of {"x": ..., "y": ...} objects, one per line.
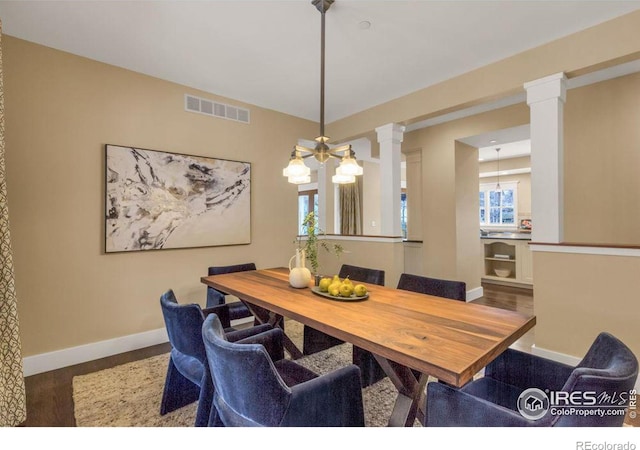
[
  {"x": 498, "y": 172},
  {"x": 297, "y": 171}
]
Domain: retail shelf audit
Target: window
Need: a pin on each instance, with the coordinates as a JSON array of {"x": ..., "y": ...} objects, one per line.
[
  {"x": 499, "y": 208},
  {"x": 403, "y": 213},
  {"x": 307, "y": 202}
]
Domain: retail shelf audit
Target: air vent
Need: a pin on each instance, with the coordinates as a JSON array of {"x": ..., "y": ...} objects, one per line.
[{"x": 215, "y": 109}]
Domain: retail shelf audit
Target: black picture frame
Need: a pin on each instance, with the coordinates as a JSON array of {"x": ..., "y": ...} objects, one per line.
[{"x": 157, "y": 200}]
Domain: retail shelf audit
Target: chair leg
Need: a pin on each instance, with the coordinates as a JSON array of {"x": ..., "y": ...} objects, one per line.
[
  {"x": 178, "y": 390},
  {"x": 370, "y": 370},
  {"x": 214, "y": 418},
  {"x": 315, "y": 341},
  {"x": 205, "y": 401}
]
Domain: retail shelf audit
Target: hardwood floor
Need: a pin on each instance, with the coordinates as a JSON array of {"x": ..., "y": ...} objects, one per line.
[
  {"x": 49, "y": 394},
  {"x": 513, "y": 299},
  {"x": 505, "y": 297}
]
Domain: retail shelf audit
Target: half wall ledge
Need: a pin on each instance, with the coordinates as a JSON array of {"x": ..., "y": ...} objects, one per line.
[{"x": 587, "y": 248}]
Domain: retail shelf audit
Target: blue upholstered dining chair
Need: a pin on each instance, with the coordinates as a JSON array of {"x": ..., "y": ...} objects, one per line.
[
  {"x": 314, "y": 340},
  {"x": 188, "y": 377},
  {"x": 492, "y": 401},
  {"x": 256, "y": 388},
  {"x": 237, "y": 309},
  {"x": 454, "y": 290}
]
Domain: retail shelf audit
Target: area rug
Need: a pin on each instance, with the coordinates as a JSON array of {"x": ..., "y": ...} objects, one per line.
[{"x": 129, "y": 395}]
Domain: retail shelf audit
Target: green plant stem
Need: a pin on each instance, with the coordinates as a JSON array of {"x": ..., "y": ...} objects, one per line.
[{"x": 310, "y": 246}]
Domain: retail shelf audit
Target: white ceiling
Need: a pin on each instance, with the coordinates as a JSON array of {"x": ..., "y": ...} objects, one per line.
[
  {"x": 514, "y": 149},
  {"x": 267, "y": 53},
  {"x": 512, "y": 142}
]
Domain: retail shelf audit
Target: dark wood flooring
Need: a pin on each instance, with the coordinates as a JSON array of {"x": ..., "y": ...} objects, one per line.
[{"x": 49, "y": 394}]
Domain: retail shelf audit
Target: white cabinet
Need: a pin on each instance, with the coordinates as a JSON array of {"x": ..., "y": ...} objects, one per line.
[
  {"x": 507, "y": 261},
  {"x": 526, "y": 262}
]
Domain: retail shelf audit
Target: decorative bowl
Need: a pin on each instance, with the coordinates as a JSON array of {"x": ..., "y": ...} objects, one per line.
[{"x": 502, "y": 273}]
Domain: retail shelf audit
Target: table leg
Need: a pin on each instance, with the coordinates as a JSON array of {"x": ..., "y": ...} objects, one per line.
[
  {"x": 275, "y": 320},
  {"x": 409, "y": 392}
]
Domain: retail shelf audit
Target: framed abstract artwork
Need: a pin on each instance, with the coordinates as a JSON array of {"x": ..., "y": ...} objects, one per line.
[{"x": 157, "y": 200}]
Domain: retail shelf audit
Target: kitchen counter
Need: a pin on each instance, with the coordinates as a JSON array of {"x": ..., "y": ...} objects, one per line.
[{"x": 511, "y": 235}]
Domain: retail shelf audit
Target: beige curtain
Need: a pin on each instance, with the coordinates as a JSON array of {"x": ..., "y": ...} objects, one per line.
[
  {"x": 13, "y": 409},
  {"x": 350, "y": 209}
]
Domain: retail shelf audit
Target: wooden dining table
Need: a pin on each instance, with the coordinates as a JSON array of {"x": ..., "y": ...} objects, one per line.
[{"x": 449, "y": 340}]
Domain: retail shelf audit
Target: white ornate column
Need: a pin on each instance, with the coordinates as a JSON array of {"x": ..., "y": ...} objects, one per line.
[
  {"x": 390, "y": 137},
  {"x": 546, "y": 98}
]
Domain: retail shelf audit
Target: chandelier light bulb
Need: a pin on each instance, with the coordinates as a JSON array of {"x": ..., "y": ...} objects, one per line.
[
  {"x": 301, "y": 179},
  {"x": 343, "y": 179},
  {"x": 349, "y": 166},
  {"x": 296, "y": 168}
]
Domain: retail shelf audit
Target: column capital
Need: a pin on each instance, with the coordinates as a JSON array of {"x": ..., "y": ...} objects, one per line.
[
  {"x": 390, "y": 132},
  {"x": 547, "y": 88}
]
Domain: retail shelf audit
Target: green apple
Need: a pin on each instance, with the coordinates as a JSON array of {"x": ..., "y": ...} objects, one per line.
[
  {"x": 360, "y": 290},
  {"x": 346, "y": 290},
  {"x": 324, "y": 284}
]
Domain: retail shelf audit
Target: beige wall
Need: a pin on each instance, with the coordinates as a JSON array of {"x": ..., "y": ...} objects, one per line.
[
  {"x": 602, "y": 159},
  {"x": 523, "y": 180},
  {"x": 60, "y": 112},
  {"x": 441, "y": 190},
  {"x": 468, "y": 251},
  {"x": 387, "y": 256},
  {"x": 578, "y": 296}
]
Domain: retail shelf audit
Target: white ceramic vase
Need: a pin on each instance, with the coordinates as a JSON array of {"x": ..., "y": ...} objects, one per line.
[{"x": 299, "y": 276}]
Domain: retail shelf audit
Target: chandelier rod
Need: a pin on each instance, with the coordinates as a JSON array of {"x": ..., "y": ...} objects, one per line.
[{"x": 322, "y": 9}]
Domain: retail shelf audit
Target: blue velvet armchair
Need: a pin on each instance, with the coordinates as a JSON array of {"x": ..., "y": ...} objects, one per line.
[
  {"x": 237, "y": 310},
  {"x": 255, "y": 387},
  {"x": 188, "y": 377},
  {"x": 492, "y": 401},
  {"x": 452, "y": 289}
]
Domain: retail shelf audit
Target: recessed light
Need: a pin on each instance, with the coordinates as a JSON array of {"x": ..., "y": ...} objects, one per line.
[
  {"x": 492, "y": 141},
  {"x": 364, "y": 25}
]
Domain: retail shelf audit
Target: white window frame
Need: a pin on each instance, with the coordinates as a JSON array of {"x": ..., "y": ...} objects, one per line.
[
  {"x": 309, "y": 194},
  {"x": 505, "y": 185}
]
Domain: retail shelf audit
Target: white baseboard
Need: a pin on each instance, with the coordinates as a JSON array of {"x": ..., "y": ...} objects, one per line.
[
  {"x": 44, "y": 362},
  {"x": 564, "y": 358},
  {"x": 474, "y": 294},
  {"x": 75, "y": 355},
  {"x": 555, "y": 356}
]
